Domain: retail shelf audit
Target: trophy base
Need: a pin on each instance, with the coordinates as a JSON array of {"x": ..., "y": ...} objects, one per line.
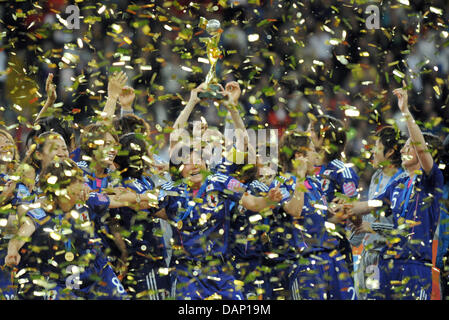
[{"x": 211, "y": 93}]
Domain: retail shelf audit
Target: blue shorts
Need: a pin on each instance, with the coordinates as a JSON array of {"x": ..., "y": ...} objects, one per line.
[
  {"x": 108, "y": 287},
  {"x": 252, "y": 274},
  {"x": 322, "y": 276},
  {"x": 205, "y": 281},
  {"x": 404, "y": 280},
  {"x": 148, "y": 281}
]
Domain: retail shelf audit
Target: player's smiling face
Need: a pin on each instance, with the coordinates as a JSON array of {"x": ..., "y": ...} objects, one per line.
[
  {"x": 193, "y": 172},
  {"x": 106, "y": 152},
  {"x": 378, "y": 154},
  {"x": 54, "y": 148}
]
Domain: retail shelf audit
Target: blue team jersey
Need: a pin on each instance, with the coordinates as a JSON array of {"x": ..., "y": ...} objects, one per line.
[
  {"x": 21, "y": 193},
  {"x": 75, "y": 155},
  {"x": 246, "y": 235},
  {"x": 415, "y": 208},
  {"x": 311, "y": 233},
  {"x": 95, "y": 183},
  {"x": 145, "y": 236},
  {"x": 281, "y": 245},
  {"x": 202, "y": 221},
  {"x": 225, "y": 167},
  {"x": 57, "y": 234},
  {"x": 95, "y": 207},
  {"x": 338, "y": 177}
]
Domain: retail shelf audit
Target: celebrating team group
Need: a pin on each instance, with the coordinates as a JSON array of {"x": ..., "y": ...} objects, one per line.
[{"x": 92, "y": 212}]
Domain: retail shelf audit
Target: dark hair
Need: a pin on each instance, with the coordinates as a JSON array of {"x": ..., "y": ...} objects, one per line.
[
  {"x": 244, "y": 172},
  {"x": 392, "y": 139},
  {"x": 132, "y": 148},
  {"x": 131, "y": 123},
  {"x": 91, "y": 133},
  {"x": 435, "y": 146},
  {"x": 290, "y": 144},
  {"x": 332, "y": 130},
  {"x": 175, "y": 169},
  {"x": 63, "y": 127},
  {"x": 65, "y": 172}
]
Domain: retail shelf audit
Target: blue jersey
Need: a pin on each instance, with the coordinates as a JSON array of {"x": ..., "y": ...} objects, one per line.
[
  {"x": 57, "y": 234},
  {"x": 21, "y": 192},
  {"x": 225, "y": 167},
  {"x": 311, "y": 233},
  {"x": 202, "y": 221},
  {"x": 281, "y": 244},
  {"x": 145, "y": 238},
  {"x": 60, "y": 234},
  {"x": 443, "y": 234},
  {"x": 97, "y": 184},
  {"x": 415, "y": 208},
  {"x": 95, "y": 207},
  {"x": 338, "y": 177},
  {"x": 246, "y": 235},
  {"x": 75, "y": 155}
]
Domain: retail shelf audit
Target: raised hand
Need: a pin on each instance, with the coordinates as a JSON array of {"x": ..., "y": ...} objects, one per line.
[
  {"x": 194, "y": 93},
  {"x": 401, "y": 94},
  {"x": 233, "y": 92},
  {"x": 50, "y": 88},
  {"x": 116, "y": 83},
  {"x": 127, "y": 97}
]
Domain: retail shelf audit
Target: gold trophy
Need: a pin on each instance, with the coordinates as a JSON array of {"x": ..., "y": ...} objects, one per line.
[{"x": 213, "y": 54}]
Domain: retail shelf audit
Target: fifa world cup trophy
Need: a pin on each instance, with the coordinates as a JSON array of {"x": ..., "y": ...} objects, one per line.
[{"x": 213, "y": 54}]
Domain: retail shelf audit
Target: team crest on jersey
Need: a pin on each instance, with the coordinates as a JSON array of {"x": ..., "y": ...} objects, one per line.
[
  {"x": 212, "y": 199},
  {"x": 325, "y": 183},
  {"x": 37, "y": 213},
  {"x": 349, "y": 188},
  {"x": 210, "y": 187}
]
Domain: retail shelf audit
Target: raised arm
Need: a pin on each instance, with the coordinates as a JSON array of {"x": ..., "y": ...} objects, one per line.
[
  {"x": 416, "y": 136},
  {"x": 126, "y": 99},
  {"x": 50, "y": 89},
  {"x": 115, "y": 85},
  {"x": 233, "y": 92},
  {"x": 181, "y": 121}
]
